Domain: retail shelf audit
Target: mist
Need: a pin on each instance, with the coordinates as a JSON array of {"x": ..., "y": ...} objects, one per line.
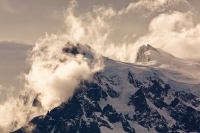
[{"x": 54, "y": 75}]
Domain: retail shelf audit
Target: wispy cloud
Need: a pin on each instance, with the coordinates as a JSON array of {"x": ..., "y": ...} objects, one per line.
[
  {"x": 56, "y": 81},
  {"x": 53, "y": 75},
  {"x": 175, "y": 33},
  {"x": 151, "y": 5}
]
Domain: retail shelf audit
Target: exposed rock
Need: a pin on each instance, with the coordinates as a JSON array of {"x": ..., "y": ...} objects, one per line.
[{"x": 141, "y": 56}]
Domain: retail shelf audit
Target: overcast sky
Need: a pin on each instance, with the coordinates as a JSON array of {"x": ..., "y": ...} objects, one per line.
[
  {"x": 22, "y": 22},
  {"x": 39, "y": 29},
  {"x": 25, "y": 21}
]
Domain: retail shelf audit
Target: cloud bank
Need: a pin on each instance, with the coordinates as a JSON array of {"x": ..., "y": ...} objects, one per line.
[
  {"x": 52, "y": 79},
  {"x": 151, "y": 5},
  {"x": 54, "y": 75},
  {"x": 171, "y": 29},
  {"x": 175, "y": 33}
]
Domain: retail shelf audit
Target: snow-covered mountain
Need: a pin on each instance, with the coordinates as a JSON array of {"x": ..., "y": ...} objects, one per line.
[
  {"x": 155, "y": 94},
  {"x": 182, "y": 74}
]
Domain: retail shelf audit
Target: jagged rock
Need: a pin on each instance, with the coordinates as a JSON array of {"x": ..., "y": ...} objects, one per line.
[
  {"x": 141, "y": 56},
  {"x": 123, "y": 98}
]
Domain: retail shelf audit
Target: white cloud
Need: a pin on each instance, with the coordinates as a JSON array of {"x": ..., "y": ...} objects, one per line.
[
  {"x": 151, "y": 5},
  {"x": 56, "y": 81},
  {"x": 53, "y": 75},
  {"x": 175, "y": 33},
  {"x": 93, "y": 29}
]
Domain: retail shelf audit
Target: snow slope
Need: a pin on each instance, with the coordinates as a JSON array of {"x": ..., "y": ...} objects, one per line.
[
  {"x": 144, "y": 97},
  {"x": 183, "y": 74}
]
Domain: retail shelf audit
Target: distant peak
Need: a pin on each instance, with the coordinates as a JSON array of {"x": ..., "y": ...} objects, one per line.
[
  {"x": 141, "y": 56},
  {"x": 149, "y": 47},
  {"x": 79, "y": 49}
]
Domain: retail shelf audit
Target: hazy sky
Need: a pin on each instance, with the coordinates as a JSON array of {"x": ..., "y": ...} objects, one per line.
[
  {"x": 22, "y": 22},
  {"x": 113, "y": 28},
  {"x": 25, "y": 21}
]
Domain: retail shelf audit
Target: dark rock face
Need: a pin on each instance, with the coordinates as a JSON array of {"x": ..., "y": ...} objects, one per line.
[
  {"x": 73, "y": 50},
  {"x": 70, "y": 48},
  {"x": 36, "y": 102},
  {"x": 141, "y": 56},
  {"x": 156, "y": 107}
]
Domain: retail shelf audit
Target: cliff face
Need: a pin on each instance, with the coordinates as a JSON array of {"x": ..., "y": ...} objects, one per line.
[
  {"x": 142, "y": 56},
  {"x": 124, "y": 98}
]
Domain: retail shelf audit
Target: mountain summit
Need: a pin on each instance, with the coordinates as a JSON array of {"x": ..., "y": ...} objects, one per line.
[
  {"x": 142, "y": 55},
  {"x": 124, "y": 98},
  {"x": 147, "y": 53}
]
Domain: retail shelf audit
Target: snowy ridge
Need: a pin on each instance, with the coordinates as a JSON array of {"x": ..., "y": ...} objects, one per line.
[
  {"x": 125, "y": 98},
  {"x": 182, "y": 74}
]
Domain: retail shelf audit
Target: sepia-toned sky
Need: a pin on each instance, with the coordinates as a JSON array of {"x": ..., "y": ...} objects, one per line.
[
  {"x": 34, "y": 32},
  {"x": 23, "y": 22}
]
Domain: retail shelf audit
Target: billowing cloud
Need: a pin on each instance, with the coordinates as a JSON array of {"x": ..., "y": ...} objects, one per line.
[
  {"x": 52, "y": 79},
  {"x": 175, "y": 33},
  {"x": 151, "y": 5},
  {"x": 54, "y": 75},
  {"x": 94, "y": 28}
]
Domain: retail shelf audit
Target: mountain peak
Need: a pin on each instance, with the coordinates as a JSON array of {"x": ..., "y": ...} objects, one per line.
[
  {"x": 142, "y": 55},
  {"x": 124, "y": 98}
]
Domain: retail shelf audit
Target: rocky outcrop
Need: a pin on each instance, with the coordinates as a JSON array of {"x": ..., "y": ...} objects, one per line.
[{"x": 141, "y": 54}]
